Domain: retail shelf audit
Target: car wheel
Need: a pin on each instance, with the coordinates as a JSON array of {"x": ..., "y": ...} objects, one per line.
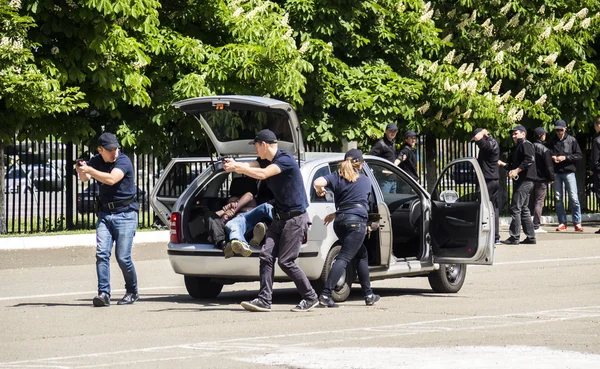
[
  {"x": 344, "y": 285},
  {"x": 449, "y": 278},
  {"x": 202, "y": 288}
]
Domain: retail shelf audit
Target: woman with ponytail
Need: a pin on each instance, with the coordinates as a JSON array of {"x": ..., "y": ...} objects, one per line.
[{"x": 351, "y": 191}]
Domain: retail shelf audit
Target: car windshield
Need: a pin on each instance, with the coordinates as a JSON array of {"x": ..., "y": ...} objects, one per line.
[
  {"x": 232, "y": 125},
  {"x": 16, "y": 173}
]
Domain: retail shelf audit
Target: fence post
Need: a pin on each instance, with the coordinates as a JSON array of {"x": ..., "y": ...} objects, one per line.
[
  {"x": 70, "y": 186},
  {"x": 431, "y": 157}
]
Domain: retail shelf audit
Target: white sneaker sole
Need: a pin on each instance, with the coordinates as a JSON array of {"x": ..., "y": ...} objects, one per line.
[
  {"x": 260, "y": 229},
  {"x": 248, "y": 306},
  {"x": 239, "y": 248}
]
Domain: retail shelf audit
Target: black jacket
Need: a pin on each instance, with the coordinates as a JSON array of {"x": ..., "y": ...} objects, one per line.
[
  {"x": 409, "y": 165},
  {"x": 594, "y": 160},
  {"x": 385, "y": 148},
  {"x": 543, "y": 163},
  {"x": 489, "y": 154},
  {"x": 523, "y": 156},
  {"x": 568, "y": 147}
]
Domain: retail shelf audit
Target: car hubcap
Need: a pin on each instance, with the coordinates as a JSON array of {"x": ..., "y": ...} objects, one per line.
[{"x": 453, "y": 273}]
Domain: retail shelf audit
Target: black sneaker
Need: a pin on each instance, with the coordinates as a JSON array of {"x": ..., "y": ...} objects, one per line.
[
  {"x": 511, "y": 241},
  {"x": 597, "y": 232},
  {"x": 306, "y": 305},
  {"x": 256, "y": 305},
  {"x": 529, "y": 241},
  {"x": 101, "y": 300},
  {"x": 326, "y": 301},
  {"x": 129, "y": 299},
  {"x": 372, "y": 299}
]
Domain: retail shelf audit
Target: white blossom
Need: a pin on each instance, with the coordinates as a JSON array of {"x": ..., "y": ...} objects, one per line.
[
  {"x": 469, "y": 70},
  {"x": 448, "y": 59},
  {"x": 511, "y": 115},
  {"x": 252, "y": 13},
  {"x": 15, "y": 4},
  {"x": 582, "y": 13},
  {"x": 467, "y": 114},
  {"x": 420, "y": 70},
  {"x": 400, "y": 7},
  {"x": 516, "y": 47},
  {"x": 569, "y": 67},
  {"x": 54, "y": 50},
  {"x": 514, "y": 21},
  {"x": 447, "y": 122},
  {"x": 550, "y": 59},
  {"x": 330, "y": 44},
  {"x": 423, "y": 109},
  {"x": 559, "y": 26},
  {"x": 505, "y": 8},
  {"x": 238, "y": 12},
  {"x": 438, "y": 116},
  {"x": 427, "y": 7},
  {"x": 561, "y": 71},
  {"x": 304, "y": 47},
  {"x": 482, "y": 73},
  {"x": 462, "y": 68},
  {"x": 288, "y": 33},
  {"x": 427, "y": 16},
  {"x": 520, "y": 95},
  {"x": 496, "y": 88},
  {"x": 569, "y": 24},
  {"x": 486, "y": 23},
  {"x": 489, "y": 31},
  {"x": 452, "y": 14},
  {"x": 542, "y": 100},
  {"x": 472, "y": 87},
  {"x": 488, "y": 95},
  {"x": 501, "y": 109},
  {"x": 499, "y": 57},
  {"x": 586, "y": 23},
  {"x": 456, "y": 110},
  {"x": 519, "y": 115},
  {"x": 458, "y": 58},
  {"x": 433, "y": 67},
  {"x": 545, "y": 34},
  {"x": 506, "y": 96},
  {"x": 542, "y": 9},
  {"x": 474, "y": 15},
  {"x": 448, "y": 38},
  {"x": 285, "y": 19}
]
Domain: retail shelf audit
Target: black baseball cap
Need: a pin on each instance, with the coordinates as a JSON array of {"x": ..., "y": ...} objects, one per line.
[
  {"x": 108, "y": 141},
  {"x": 391, "y": 127},
  {"x": 560, "y": 124},
  {"x": 266, "y": 135},
  {"x": 354, "y": 154},
  {"x": 476, "y": 131},
  {"x": 519, "y": 128},
  {"x": 539, "y": 132},
  {"x": 410, "y": 133}
]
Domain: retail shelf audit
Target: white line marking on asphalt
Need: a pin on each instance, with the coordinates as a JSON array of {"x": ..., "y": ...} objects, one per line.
[
  {"x": 81, "y": 293},
  {"x": 240, "y": 344}
]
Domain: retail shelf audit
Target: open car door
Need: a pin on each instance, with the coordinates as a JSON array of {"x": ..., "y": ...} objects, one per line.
[
  {"x": 462, "y": 223},
  {"x": 173, "y": 181}
]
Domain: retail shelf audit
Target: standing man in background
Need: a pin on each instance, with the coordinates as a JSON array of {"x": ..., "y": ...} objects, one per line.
[
  {"x": 522, "y": 171},
  {"x": 385, "y": 148},
  {"x": 117, "y": 216},
  {"x": 595, "y": 162},
  {"x": 565, "y": 154},
  {"x": 408, "y": 154},
  {"x": 544, "y": 176},
  {"x": 488, "y": 157}
]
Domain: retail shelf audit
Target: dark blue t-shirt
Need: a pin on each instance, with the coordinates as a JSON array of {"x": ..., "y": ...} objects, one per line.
[
  {"x": 288, "y": 186},
  {"x": 122, "y": 190},
  {"x": 346, "y": 192}
]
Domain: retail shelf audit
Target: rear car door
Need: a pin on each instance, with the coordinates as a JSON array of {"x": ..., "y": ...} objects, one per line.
[
  {"x": 462, "y": 224},
  {"x": 173, "y": 181}
]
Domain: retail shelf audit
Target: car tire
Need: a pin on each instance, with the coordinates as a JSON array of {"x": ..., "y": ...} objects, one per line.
[
  {"x": 344, "y": 286},
  {"x": 201, "y": 287},
  {"x": 449, "y": 278}
]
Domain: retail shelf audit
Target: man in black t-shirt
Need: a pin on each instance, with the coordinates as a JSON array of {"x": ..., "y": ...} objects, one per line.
[
  {"x": 407, "y": 155},
  {"x": 385, "y": 148},
  {"x": 117, "y": 216},
  {"x": 281, "y": 173}
]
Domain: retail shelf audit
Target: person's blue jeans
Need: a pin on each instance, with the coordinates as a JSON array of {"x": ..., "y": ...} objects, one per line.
[
  {"x": 351, "y": 231},
  {"x": 237, "y": 227},
  {"x": 388, "y": 186},
  {"x": 120, "y": 229},
  {"x": 570, "y": 182}
]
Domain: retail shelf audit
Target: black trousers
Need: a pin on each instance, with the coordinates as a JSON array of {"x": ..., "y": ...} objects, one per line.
[
  {"x": 519, "y": 211},
  {"x": 536, "y": 202},
  {"x": 493, "y": 187}
]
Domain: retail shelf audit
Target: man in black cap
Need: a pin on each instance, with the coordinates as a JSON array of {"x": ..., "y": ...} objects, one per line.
[
  {"x": 544, "y": 176},
  {"x": 595, "y": 162},
  {"x": 565, "y": 154},
  {"x": 280, "y": 171},
  {"x": 488, "y": 157},
  {"x": 385, "y": 148},
  {"x": 408, "y": 154},
  {"x": 117, "y": 216},
  {"x": 522, "y": 172}
]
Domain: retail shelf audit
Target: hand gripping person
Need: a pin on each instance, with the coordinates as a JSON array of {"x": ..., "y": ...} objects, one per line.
[
  {"x": 488, "y": 157},
  {"x": 522, "y": 172},
  {"x": 280, "y": 171},
  {"x": 117, "y": 216},
  {"x": 351, "y": 192}
]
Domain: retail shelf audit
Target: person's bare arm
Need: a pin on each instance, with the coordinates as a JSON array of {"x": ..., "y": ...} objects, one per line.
[
  {"x": 251, "y": 169},
  {"x": 86, "y": 173}
]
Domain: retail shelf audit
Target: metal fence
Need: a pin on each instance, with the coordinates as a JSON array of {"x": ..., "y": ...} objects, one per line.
[{"x": 43, "y": 193}]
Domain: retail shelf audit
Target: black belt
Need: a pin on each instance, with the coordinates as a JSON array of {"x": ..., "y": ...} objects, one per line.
[
  {"x": 351, "y": 205},
  {"x": 285, "y": 215},
  {"x": 117, "y": 204}
]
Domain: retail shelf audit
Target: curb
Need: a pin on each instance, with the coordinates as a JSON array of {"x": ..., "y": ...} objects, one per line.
[
  {"x": 553, "y": 219},
  {"x": 59, "y": 241}
]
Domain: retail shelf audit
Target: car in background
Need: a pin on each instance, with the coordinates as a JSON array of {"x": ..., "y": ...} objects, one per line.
[
  {"x": 463, "y": 173},
  {"x": 18, "y": 180},
  {"x": 46, "y": 177},
  {"x": 85, "y": 200}
]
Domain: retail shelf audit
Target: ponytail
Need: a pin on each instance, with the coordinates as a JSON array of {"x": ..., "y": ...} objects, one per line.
[{"x": 349, "y": 169}]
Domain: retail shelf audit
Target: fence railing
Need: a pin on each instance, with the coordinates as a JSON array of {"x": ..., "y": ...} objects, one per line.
[{"x": 43, "y": 193}]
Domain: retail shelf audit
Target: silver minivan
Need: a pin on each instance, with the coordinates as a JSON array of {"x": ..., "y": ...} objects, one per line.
[{"x": 434, "y": 235}]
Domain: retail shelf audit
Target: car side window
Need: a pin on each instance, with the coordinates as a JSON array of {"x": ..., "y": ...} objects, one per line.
[
  {"x": 321, "y": 172},
  {"x": 390, "y": 182},
  {"x": 458, "y": 183}
]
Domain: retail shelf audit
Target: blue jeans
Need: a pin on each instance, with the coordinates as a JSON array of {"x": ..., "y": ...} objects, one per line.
[
  {"x": 570, "y": 182},
  {"x": 118, "y": 228},
  {"x": 351, "y": 231},
  {"x": 237, "y": 227},
  {"x": 388, "y": 186}
]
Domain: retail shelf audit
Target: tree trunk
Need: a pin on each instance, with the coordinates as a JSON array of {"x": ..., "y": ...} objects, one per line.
[
  {"x": 3, "y": 229},
  {"x": 431, "y": 156}
]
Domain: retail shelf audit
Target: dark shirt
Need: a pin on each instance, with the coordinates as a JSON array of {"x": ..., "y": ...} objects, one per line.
[
  {"x": 594, "y": 160},
  {"x": 409, "y": 165},
  {"x": 489, "y": 154},
  {"x": 568, "y": 147},
  {"x": 287, "y": 186},
  {"x": 122, "y": 190},
  {"x": 523, "y": 157},
  {"x": 385, "y": 148},
  {"x": 346, "y": 192},
  {"x": 543, "y": 163}
]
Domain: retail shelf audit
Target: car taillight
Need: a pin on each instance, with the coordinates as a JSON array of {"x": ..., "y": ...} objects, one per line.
[{"x": 175, "y": 228}]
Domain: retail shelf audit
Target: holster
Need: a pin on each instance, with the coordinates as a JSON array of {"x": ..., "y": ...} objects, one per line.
[{"x": 96, "y": 204}]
